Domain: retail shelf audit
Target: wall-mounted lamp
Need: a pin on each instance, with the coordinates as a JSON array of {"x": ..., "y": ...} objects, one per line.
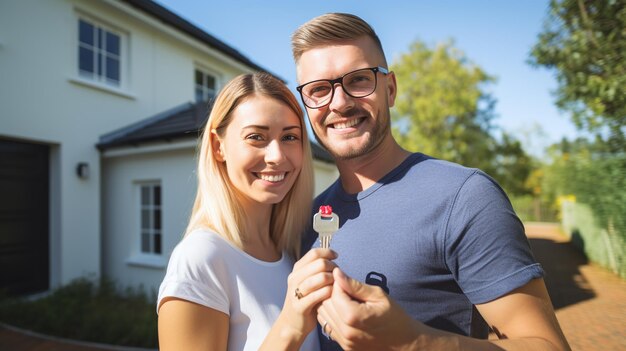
[{"x": 82, "y": 170}]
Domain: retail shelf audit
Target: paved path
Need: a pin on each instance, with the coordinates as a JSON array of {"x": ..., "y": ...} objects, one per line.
[
  {"x": 590, "y": 301},
  {"x": 15, "y": 339}
]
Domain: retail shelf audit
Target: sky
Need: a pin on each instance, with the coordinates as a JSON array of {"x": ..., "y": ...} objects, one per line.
[{"x": 495, "y": 35}]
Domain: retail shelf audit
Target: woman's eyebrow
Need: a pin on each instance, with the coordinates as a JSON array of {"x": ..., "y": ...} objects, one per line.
[{"x": 263, "y": 127}]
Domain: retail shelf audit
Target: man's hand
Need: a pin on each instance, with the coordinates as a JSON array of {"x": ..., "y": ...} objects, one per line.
[{"x": 363, "y": 317}]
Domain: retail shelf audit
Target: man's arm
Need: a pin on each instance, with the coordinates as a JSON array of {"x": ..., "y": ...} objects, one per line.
[
  {"x": 523, "y": 316},
  {"x": 363, "y": 317}
]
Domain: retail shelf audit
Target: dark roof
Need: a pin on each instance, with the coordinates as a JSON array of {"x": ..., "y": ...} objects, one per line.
[
  {"x": 184, "y": 121},
  {"x": 170, "y": 18},
  {"x": 319, "y": 153}
]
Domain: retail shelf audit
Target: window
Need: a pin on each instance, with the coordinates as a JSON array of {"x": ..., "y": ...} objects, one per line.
[
  {"x": 205, "y": 86},
  {"x": 150, "y": 215},
  {"x": 99, "y": 53}
]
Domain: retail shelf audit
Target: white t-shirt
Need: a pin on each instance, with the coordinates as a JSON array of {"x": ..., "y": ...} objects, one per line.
[{"x": 206, "y": 269}]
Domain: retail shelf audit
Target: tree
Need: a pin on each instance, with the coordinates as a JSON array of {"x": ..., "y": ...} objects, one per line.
[
  {"x": 585, "y": 41},
  {"x": 442, "y": 110}
]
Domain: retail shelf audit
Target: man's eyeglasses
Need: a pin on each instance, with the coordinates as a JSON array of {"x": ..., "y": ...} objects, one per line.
[{"x": 357, "y": 84}]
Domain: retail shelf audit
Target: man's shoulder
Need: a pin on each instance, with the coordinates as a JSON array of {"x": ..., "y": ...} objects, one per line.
[
  {"x": 427, "y": 165},
  {"x": 426, "y": 173},
  {"x": 440, "y": 174}
]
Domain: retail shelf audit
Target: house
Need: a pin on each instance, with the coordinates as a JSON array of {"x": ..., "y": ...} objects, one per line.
[{"x": 100, "y": 106}]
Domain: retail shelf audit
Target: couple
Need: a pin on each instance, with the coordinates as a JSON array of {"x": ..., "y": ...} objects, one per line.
[{"x": 441, "y": 241}]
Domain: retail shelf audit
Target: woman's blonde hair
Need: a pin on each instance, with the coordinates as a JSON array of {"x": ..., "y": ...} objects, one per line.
[
  {"x": 328, "y": 29},
  {"x": 216, "y": 205}
]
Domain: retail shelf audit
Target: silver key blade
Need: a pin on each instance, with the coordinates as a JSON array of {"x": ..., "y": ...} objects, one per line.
[{"x": 325, "y": 226}]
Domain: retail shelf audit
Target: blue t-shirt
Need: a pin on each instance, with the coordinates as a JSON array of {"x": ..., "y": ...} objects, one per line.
[{"x": 439, "y": 238}]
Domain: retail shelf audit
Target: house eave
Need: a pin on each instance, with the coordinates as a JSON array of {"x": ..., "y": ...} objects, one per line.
[{"x": 147, "y": 147}]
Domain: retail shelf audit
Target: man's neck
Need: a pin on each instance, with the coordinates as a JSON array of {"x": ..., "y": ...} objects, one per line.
[{"x": 360, "y": 173}]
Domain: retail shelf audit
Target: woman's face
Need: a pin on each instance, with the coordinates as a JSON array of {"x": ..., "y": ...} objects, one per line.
[{"x": 262, "y": 149}]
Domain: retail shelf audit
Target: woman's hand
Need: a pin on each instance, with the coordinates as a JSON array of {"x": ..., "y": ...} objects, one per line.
[{"x": 309, "y": 284}]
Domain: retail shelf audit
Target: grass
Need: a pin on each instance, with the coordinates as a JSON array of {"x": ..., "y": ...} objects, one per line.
[{"x": 84, "y": 310}]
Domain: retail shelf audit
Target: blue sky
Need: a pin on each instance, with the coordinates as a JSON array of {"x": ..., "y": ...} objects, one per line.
[{"x": 496, "y": 35}]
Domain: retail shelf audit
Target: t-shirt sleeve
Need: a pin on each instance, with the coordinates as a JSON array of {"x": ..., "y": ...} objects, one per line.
[
  {"x": 486, "y": 248},
  {"x": 197, "y": 272}
]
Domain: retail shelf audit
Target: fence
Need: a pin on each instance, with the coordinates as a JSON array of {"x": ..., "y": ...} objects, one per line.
[
  {"x": 602, "y": 244},
  {"x": 532, "y": 209}
]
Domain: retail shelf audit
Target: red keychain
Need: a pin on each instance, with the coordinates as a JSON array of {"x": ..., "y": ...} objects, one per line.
[{"x": 325, "y": 223}]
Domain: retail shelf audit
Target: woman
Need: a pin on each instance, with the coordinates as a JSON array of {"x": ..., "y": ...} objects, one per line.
[{"x": 229, "y": 283}]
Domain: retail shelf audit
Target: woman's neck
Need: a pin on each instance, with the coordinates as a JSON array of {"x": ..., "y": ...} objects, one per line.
[{"x": 258, "y": 242}]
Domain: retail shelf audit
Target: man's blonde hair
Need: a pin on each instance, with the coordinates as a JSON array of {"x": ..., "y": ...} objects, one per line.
[
  {"x": 329, "y": 29},
  {"x": 217, "y": 205}
]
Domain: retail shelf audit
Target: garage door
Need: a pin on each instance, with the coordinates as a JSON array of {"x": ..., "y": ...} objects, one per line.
[{"x": 24, "y": 232}]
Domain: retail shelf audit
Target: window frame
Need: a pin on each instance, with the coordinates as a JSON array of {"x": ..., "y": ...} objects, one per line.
[
  {"x": 95, "y": 79},
  {"x": 205, "y": 72},
  {"x": 152, "y": 230}
]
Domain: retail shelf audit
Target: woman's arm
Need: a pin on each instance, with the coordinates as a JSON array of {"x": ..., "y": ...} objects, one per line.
[{"x": 185, "y": 325}]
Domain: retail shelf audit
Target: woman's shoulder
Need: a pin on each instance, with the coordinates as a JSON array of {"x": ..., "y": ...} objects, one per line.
[
  {"x": 203, "y": 236},
  {"x": 198, "y": 271},
  {"x": 201, "y": 247}
]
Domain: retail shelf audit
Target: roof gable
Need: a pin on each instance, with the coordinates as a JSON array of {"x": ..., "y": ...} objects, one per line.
[{"x": 170, "y": 18}]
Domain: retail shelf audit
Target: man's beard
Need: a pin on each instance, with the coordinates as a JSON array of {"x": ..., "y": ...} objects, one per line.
[{"x": 381, "y": 128}]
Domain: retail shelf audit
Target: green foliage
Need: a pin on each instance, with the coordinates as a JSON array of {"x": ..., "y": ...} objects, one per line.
[
  {"x": 596, "y": 176},
  {"x": 531, "y": 208},
  {"x": 85, "y": 311},
  {"x": 585, "y": 41},
  {"x": 509, "y": 165},
  {"x": 442, "y": 110}
]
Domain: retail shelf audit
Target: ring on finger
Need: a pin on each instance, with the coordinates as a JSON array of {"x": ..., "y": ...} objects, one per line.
[
  {"x": 298, "y": 294},
  {"x": 327, "y": 335}
]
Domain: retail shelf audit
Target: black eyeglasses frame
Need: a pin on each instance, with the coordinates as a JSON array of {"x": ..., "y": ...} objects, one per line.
[{"x": 339, "y": 81}]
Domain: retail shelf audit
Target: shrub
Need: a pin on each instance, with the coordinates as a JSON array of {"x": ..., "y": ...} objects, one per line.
[{"x": 84, "y": 310}]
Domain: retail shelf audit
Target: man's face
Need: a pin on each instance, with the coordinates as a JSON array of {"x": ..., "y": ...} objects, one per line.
[{"x": 349, "y": 127}]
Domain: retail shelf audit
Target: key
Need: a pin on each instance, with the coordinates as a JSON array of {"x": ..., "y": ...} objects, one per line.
[{"x": 325, "y": 223}]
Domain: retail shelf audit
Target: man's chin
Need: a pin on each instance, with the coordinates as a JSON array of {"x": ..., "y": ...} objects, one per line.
[
  {"x": 347, "y": 152},
  {"x": 348, "y": 148}
]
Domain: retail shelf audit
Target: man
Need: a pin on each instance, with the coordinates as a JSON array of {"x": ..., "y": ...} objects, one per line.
[{"x": 442, "y": 253}]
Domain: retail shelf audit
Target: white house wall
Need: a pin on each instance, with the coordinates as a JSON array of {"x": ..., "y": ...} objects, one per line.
[
  {"x": 325, "y": 174},
  {"x": 43, "y": 100},
  {"x": 122, "y": 259}
]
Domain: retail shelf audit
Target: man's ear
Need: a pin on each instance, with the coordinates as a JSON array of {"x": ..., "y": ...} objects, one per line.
[
  {"x": 392, "y": 88},
  {"x": 216, "y": 144}
]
